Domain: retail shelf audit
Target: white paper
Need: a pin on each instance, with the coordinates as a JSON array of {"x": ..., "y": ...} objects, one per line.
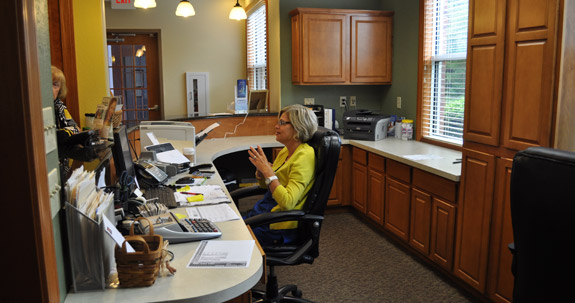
[
  {"x": 422, "y": 157},
  {"x": 213, "y": 194},
  {"x": 208, "y": 129},
  {"x": 218, "y": 254},
  {"x": 116, "y": 235},
  {"x": 214, "y": 213},
  {"x": 172, "y": 156},
  {"x": 153, "y": 138}
]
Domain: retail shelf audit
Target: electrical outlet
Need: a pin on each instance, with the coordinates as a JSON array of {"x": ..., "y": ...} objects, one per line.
[
  {"x": 309, "y": 101},
  {"x": 352, "y": 101},
  {"x": 342, "y": 101},
  {"x": 398, "y": 102}
]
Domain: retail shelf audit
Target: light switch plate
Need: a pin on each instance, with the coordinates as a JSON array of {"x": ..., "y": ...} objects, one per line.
[
  {"x": 54, "y": 188},
  {"x": 309, "y": 101}
]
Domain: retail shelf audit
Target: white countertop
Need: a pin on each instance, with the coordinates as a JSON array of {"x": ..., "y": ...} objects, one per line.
[{"x": 392, "y": 148}]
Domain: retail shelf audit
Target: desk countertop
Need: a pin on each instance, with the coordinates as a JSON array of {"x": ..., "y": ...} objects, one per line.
[{"x": 392, "y": 148}]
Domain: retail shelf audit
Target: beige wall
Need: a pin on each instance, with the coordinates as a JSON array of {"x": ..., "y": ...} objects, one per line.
[
  {"x": 207, "y": 42},
  {"x": 90, "y": 43}
]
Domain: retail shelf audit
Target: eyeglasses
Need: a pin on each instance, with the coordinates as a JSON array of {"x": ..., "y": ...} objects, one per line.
[{"x": 282, "y": 122}]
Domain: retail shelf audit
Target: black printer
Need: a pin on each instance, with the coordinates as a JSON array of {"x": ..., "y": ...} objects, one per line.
[{"x": 362, "y": 124}]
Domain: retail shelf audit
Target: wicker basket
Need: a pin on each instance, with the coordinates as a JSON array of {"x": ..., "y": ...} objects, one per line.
[{"x": 139, "y": 268}]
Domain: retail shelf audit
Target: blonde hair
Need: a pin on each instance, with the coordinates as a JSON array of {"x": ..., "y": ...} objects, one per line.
[
  {"x": 58, "y": 75},
  {"x": 303, "y": 120}
]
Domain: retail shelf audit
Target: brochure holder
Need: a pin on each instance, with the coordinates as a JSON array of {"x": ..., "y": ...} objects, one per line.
[{"x": 91, "y": 250}]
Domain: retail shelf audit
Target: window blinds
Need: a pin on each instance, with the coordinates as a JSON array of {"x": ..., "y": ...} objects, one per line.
[
  {"x": 257, "y": 48},
  {"x": 444, "y": 63}
]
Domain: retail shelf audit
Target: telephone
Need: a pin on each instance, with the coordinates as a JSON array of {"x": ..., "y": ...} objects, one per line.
[{"x": 150, "y": 173}]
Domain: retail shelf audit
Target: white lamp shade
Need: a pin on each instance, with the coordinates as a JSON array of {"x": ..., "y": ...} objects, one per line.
[
  {"x": 185, "y": 9},
  {"x": 238, "y": 13},
  {"x": 145, "y": 3}
]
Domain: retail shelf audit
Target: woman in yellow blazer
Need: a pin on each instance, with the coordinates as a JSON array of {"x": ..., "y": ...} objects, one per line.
[{"x": 290, "y": 177}]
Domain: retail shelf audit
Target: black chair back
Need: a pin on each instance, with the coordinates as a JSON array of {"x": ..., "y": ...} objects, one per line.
[{"x": 543, "y": 219}]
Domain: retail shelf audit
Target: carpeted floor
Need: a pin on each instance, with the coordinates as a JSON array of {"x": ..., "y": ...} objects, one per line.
[{"x": 358, "y": 264}]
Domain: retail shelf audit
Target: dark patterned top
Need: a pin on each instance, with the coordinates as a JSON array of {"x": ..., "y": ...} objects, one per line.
[{"x": 64, "y": 121}]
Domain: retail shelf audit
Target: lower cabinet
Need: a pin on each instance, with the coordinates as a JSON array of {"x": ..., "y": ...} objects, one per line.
[
  {"x": 375, "y": 187},
  {"x": 397, "y": 198},
  {"x": 359, "y": 179}
]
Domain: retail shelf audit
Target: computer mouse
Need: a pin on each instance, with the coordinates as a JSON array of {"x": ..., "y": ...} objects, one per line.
[{"x": 186, "y": 180}]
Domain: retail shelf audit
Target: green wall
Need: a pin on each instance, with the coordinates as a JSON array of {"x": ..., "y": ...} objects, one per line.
[{"x": 379, "y": 98}]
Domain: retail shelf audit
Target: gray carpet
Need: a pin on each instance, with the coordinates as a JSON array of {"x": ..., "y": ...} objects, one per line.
[{"x": 358, "y": 264}]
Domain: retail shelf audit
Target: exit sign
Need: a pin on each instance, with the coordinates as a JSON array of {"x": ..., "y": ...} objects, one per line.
[{"x": 122, "y": 4}]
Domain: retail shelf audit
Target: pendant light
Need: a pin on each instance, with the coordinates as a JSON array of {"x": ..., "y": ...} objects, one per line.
[
  {"x": 238, "y": 12},
  {"x": 145, "y": 3},
  {"x": 185, "y": 9}
]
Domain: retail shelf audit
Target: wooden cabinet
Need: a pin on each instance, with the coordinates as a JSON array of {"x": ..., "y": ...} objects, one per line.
[
  {"x": 335, "y": 196},
  {"x": 510, "y": 98},
  {"x": 359, "y": 179},
  {"x": 376, "y": 188},
  {"x": 433, "y": 209},
  {"x": 500, "y": 279},
  {"x": 341, "y": 47},
  {"x": 397, "y": 197}
]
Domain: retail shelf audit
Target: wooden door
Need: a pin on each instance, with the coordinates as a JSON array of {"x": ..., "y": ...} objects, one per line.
[
  {"x": 359, "y": 175},
  {"x": 335, "y": 194},
  {"x": 371, "y": 49},
  {"x": 396, "y": 216},
  {"x": 376, "y": 195},
  {"x": 420, "y": 220},
  {"x": 530, "y": 70},
  {"x": 500, "y": 279},
  {"x": 325, "y": 48},
  {"x": 442, "y": 232},
  {"x": 474, "y": 217},
  {"x": 134, "y": 75},
  {"x": 485, "y": 54}
]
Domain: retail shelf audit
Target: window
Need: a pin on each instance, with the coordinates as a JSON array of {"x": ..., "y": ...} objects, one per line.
[
  {"x": 256, "y": 28},
  {"x": 444, "y": 59}
]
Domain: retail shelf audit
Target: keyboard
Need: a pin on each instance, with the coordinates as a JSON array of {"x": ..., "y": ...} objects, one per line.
[{"x": 162, "y": 195}]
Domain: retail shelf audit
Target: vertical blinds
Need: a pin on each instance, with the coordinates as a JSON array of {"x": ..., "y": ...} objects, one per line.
[
  {"x": 444, "y": 60},
  {"x": 257, "y": 48}
]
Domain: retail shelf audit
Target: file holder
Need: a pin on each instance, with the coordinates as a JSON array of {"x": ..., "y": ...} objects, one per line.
[{"x": 91, "y": 250}]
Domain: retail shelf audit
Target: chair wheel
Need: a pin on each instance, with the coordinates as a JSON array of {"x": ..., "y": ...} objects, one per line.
[{"x": 296, "y": 293}]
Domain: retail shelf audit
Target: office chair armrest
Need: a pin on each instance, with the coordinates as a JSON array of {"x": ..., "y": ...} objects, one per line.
[
  {"x": 280, "y": 216},
  {"x": 247, "y": 192}
]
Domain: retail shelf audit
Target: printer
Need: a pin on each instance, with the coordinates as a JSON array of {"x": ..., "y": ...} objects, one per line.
[{"x": 362, "y": 124}]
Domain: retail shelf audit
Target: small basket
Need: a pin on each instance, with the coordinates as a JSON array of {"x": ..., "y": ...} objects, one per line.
[{"x": 139, "y": 268}]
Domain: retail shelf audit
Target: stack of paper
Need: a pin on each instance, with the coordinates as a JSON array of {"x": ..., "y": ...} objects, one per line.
[
  {"x": 82, "y": 193},
  {"x": 212, "y": 194}
]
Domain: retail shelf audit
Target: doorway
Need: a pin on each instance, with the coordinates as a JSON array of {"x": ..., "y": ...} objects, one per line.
[{"x": 134, "y": 73}]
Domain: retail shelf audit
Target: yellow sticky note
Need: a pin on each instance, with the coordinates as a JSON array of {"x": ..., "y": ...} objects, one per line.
[
  {"x": 195, "y": 198},
  {"x": 180, "y": 216},
  {"x": 184, "y": 188}
]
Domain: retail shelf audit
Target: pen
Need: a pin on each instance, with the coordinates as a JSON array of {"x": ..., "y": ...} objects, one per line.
[
  {"x": 189, "y": 193},
  {"x": 456, "y": 161}
]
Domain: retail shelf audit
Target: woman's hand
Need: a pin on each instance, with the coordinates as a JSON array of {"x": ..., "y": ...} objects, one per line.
[{"x": 260, "y": 161}]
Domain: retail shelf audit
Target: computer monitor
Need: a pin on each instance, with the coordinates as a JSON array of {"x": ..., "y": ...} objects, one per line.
[{"x": 121, "y": 152}]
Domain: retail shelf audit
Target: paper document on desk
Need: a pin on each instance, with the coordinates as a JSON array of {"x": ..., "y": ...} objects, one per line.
[
  {"x": 214, "y": 213},
  {"x": 213, "y": 194},
  {"x": 166, "y": 153},
  {"x": 221, "y": 254}
]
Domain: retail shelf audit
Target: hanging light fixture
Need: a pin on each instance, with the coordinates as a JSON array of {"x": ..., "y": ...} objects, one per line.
[
  {"x": 238, "y": 12},
  {"x": 145, "y": 3},
  {"x": 185, "y": 9}
]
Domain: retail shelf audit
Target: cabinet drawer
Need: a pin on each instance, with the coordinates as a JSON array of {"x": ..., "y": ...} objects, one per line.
[
  {"x": 376, "y": 162},
  {"x": 434, "y": 184},
  {"x": 359, "y": 156},
  {"x": 398, "y": 170}
]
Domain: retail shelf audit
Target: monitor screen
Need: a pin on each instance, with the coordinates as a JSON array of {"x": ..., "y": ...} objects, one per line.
[{"x": 121, "y": 152}]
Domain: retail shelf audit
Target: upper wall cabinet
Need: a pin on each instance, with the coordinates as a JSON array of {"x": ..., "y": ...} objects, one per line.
[{"x": 341, "y": 47}]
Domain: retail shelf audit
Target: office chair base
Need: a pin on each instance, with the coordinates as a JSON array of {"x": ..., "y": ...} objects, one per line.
[{"x": 261, "y": 296}]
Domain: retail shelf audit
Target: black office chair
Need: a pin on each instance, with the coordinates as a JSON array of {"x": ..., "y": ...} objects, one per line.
[
  {"x": 326, "y": 144},
  {"x": 543, "y": 219}
]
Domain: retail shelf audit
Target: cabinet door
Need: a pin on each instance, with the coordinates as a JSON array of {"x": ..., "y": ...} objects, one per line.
[
  {"x": 376, "y": 189},
  {"x": 371, "y": 49},
  {"x": 485, "y": 53},
  {"x": 442, "y": 233},
  {"x": 296, "y": 51},
  {"x": 500, "y": 279},
  {"x": 420, "y": 221},
  {"x": 335, "y": 194},
  {"x": 474, "y": 217},
  {"x": 325, "y": 48},
  {"x": 359, "y": 174},
  {"x": 396, "y": 207},
  {"x": 530, "y": 67}
]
